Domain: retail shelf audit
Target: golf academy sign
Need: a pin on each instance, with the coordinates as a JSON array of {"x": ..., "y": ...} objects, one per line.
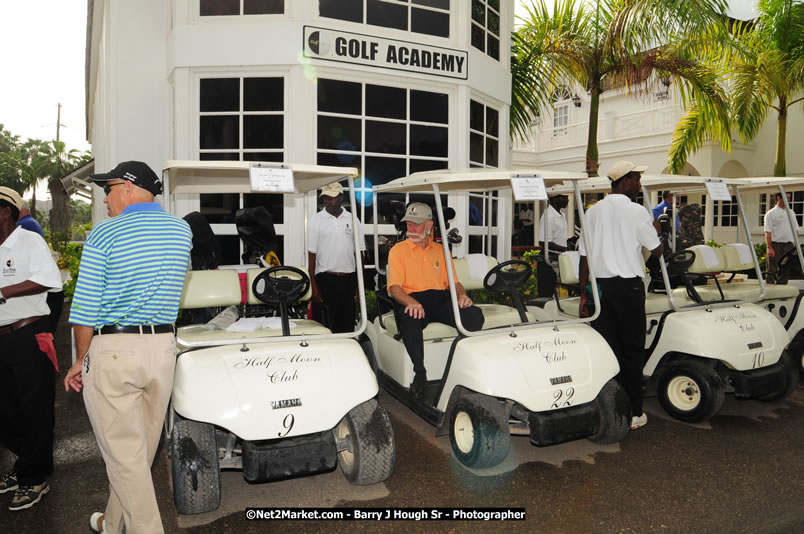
[{"x": 347, "y": 47}]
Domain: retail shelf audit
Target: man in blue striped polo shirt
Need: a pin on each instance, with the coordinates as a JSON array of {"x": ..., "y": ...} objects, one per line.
[{"x": 126, "y": 301}]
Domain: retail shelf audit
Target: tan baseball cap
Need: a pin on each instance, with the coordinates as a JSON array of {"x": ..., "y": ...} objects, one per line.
[
  {"x": 11, "y": 196},
  {"x": 332, "y": 190},
  {"x": 418, "y": 212},
  {"x": 621, "y": 168}
]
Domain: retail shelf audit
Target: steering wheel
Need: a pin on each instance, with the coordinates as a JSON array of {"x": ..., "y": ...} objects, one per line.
[
  {"x": 279, "y": 285},
  {"x": 502, "y": 278},
  {"x": 679, "y": 262}
]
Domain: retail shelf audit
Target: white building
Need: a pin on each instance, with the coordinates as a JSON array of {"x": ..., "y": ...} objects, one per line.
[{"x": 388, "y": 86}]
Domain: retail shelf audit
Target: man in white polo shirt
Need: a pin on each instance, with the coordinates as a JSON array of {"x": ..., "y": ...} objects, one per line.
[
  {"x": 778, "y": 238},
  {"x": 557, "y": 242},
  {"x": 618, "y": 228},
  {"x": 331, "y": 259}
]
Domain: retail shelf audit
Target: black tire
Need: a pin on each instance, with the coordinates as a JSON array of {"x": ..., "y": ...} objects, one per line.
[
  {"x": 194, "y": 460},
  {"x": 691, "y": 391},
  {"x": 791, "y": 378},
  {"x": 615, "y": 413},
  {"x": 478, "y": 431},
  {"x": 370, "y": 455}
]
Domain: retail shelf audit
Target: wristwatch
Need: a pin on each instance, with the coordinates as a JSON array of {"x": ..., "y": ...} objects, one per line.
[{"x": 2, "y": 298}]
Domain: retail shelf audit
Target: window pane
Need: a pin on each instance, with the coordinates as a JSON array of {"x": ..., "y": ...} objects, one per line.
[
  {"x": 478, "y": 38},
  {"x": 494, "y": 23},
  {"x": 351, "y": 10},
  {"x": 339, "y": 160},
  {"x": 492, "y": 122},
  {"x": 385, "y": 137},
  {"x": 428, "y": 141},
  {"x": 220, "y": 132},
  {"x": 387, "y": 102},
  {"x": 273, "y": 203},
  {"x": 263, "y": 7},
  {"x": 339, "y": 133},
  {"x": 380, "y": 13},
  {"x": 263, "y": 94},
  {"x": 493, "y": 47},
  {"x": 421, "y": 165},
  {"x": 476, "y": 148},
  {"x": 220, "y": 94},
  {"x": 492, "y": 149},
  {"x": 264, "y": 156},
  {"x": 209, "y": 8},
  {"x": 429, "y": 107},
  {"x": 220, "y": 156},
  {"x": 479, "y": 12},
  {"x": 476, "y": 116},
  {"x": 429, "y": 22},
  {"x": 495, "y": 4},
  {"x": 263, "y": 131},
  {"x": 339, "y": 97},
  {"x": 220, "y": 208},
  {"x": 383, "y": 170},
  {"x": 441, "y": 4}
]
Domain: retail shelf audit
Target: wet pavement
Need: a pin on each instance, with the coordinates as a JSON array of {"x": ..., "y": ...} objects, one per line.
[{"x": 739, "y": 472}]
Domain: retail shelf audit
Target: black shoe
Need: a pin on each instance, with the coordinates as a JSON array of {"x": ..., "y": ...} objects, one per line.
[{"x": 418, "y": 386}]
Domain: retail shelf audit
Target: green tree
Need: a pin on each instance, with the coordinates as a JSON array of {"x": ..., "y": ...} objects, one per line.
[
  {"x": 764, "y": 60},
  {"x": 54, "y": 161},
  {"x": 610, "y": 44}
]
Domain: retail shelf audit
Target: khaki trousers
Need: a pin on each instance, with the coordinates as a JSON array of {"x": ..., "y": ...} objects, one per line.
[{"x": 127, "y": 383}]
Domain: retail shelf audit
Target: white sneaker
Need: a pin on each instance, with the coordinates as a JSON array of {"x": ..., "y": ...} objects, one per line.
[
  {"x": 637, "y": 422},
  {"x": 97, "y": 523}
]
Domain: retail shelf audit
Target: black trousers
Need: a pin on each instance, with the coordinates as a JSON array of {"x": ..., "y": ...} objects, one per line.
[
  {"x": 622, "y": 324},
  {"x": 437, "y": 309},
  {"x": 27, "y": 394},
  {"x": 338, "y": 295},
  {"x": 546, "y": 278},
  {"x": 55, "y": 302},
  {"x": 773, "y": 263}
]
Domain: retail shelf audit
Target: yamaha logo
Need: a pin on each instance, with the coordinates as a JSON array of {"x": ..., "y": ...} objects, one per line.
[{"x": 285, "y": 403}]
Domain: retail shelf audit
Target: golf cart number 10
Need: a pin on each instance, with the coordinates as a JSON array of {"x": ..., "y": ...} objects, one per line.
[
  {"x": 563, "y": 397},
  {"x": 759, "y": 359}
]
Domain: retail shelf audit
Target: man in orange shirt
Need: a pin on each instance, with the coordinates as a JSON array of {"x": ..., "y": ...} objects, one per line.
[{"x": 418, "y": 283}]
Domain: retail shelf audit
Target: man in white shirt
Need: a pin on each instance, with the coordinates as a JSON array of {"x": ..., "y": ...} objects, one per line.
[
  {"x": 778, "y": 238},
  {"x": 331, "y": 259},
  {"x": 618, "y": 228},
  {"x": 545, "y": 275},
  {"x": 27, "y": 360}
]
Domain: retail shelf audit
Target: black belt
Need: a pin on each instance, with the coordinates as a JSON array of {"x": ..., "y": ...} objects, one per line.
[
  {"x": 19, "y": 324},
  {"x": 142, "y": 329},
  {"x": 337, "y": 274}
]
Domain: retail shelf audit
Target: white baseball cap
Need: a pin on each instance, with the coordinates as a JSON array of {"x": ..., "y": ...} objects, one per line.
[{"x": 621, "y": 168}]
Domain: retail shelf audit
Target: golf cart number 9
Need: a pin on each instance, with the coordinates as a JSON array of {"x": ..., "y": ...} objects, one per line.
[
  {"x": 563, "y": 397},
  {"x": 287, "y": 424},
  {"x": 759, "y": 360}
]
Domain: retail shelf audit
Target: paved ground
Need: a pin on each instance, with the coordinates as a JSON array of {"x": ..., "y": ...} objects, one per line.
[{"x": 741, "y": 472}]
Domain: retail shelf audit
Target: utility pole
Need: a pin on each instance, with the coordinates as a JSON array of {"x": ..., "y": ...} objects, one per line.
[{"x": 58, "y": 120}]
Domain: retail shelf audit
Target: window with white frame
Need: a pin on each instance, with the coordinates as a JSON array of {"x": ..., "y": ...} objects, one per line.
[
  {"x": 217, "y": 8},
  {"x": 561, "y": 101},
  {"x": 484, "y": 145},
  {"x": 240, "y": 119},
  {"x": 768, "y": 201},
  {"x": 486, "y": 27},
  {"x": 429, "y": 17}
]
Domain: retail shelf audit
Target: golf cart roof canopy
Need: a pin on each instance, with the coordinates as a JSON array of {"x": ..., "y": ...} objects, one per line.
[
  {"x": 473, "y": 179},
  {"x": 769, "y": 182},
  {"x": 653, "y": 182},
  {"x": 233, "y": 176}
]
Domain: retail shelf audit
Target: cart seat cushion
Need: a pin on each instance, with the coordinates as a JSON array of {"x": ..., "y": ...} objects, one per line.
[
  {"x": 472, "y": 270},
  {"x": 654, "y": 303},
  {"x": 738, "y": 257},
  {"x": 196, "y": 333},
  {"x": 707, "y": 260},
  {"x": 740, "y": 291},
  {"x": 251, "y": 274},
  {"x": 568, "y": 266},
  {"x": 207, "y": 289},
  {"x": 494, "y": 315}
]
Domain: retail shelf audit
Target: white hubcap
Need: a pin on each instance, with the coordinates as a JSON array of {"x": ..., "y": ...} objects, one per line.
[
  {"x": 346, "y": 456},
  {"x": 684, "y": 393},
  {"x": 464, "y": 432}
]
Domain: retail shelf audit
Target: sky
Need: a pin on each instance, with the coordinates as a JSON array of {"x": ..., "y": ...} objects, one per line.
[{"x": 43, "y": 44}]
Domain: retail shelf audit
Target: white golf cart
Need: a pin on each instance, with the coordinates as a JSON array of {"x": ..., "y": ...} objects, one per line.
[
  {"x": 278, "y": 398},
  {"x": 552, "y": 381},
  {"x": 699, "y": 349}
]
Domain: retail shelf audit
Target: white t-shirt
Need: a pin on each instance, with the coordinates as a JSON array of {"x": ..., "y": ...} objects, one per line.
[
  {"x": 25, "y": 256},
  {"x": 526, "y": 216},
  {"x": 558, "y": 227},
  {"x": 777, "y": 223},
  {"x": 330, "y": 239},
  {"x": 618, "y": 229}
]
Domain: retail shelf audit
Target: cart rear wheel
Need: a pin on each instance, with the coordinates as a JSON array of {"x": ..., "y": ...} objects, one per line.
[{"x": 194, "y": 460}]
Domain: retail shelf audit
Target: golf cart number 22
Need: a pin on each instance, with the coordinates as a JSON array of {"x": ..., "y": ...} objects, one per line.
[{"x": 563, "y": 397}]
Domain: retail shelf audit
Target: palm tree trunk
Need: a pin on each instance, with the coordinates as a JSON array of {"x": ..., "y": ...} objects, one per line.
[
  {"x": 60, "y": 214},
  {"x": 780, "y": 166},
  {"x": 592, "y": 164}
]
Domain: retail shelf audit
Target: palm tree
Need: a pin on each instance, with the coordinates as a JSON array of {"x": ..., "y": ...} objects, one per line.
[
  {"x": 617, "y": 43},
  {"x": 54, "y": 161},
  {"x": 765, "y": 60},
  {"x": 18, "y": 168}
]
